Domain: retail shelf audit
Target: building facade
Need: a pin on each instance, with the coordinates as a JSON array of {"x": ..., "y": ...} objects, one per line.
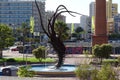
[
  {"x": 76, "y": 25},
  {"x": 16, "y": 12},
  {"x": 49, "y": 14},
  {"x": 85, "y": 23},
  {"x": 111, "y": 11},
  {"x": 117, "y": 23},
  {"x": 110, "y": 26},
  {"x": 92, "y": 9}
]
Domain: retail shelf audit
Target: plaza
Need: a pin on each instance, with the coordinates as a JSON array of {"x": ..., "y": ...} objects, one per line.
[
  {"x": 89, "y": 58},
  {"x": 70, "y": 59}
]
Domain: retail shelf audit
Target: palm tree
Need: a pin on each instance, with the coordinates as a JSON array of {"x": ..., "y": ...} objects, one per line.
[
  {"x": 25, "y": 31},
  {"x": 61, "y": 30}
]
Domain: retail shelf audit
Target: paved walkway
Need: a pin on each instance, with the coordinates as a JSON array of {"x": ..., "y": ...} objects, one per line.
[{"x": 38, "y": 78}]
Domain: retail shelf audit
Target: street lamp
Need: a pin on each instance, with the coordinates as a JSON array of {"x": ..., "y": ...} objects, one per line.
[{"x": 114, "y": 46}]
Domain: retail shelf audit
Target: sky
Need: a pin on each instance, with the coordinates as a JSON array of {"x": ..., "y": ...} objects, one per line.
[{"x": 80, "y": 6}]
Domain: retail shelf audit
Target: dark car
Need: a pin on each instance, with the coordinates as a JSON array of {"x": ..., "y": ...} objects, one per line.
[{"x": 14, "y": 48}]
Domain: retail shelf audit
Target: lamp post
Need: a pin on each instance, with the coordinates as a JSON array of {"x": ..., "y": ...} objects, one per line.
[
  {"x": 23, "y": 36},
  {"x": 22, "y": 48},
  {"x": 114, "y": 46}
]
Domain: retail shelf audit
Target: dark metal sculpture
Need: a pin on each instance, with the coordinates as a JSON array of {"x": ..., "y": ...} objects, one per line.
[{"x": 56, "y": 42}]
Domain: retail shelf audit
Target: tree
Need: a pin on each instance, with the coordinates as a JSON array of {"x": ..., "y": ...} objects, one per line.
[
  {"x": 24, "y": 32},
  {"x": 19, "y": 34},
  {"x": 61, "y": 30},
  {"x": 39, "y": 53},
  {"x": 55, "y": 40},
  {"x": 6, "y": 37},
  {"x": 102, "y": 51},
  {"x": 74, "y": 35},
  {"x": 106, "y": 49},
  {"x": 114, "y": 36},
  {"x": 79, "y": 31}
]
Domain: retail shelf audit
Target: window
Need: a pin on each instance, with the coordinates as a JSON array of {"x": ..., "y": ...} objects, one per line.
[{"x": 113, "y": 8}]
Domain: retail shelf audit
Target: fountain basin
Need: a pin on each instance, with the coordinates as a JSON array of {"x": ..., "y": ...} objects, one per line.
[{"x": 50, "y": 70}]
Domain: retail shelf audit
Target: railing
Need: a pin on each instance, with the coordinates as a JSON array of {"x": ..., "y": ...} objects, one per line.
[{"x": 87, "y": 44}]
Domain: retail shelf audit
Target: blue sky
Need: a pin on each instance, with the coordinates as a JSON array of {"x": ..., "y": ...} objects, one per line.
[{"x": 80, "y": 6}]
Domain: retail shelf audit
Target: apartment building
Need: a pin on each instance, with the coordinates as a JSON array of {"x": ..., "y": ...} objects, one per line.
[
  {"x": 16, "y": 12},
  {"x": 111, "y": 11}
]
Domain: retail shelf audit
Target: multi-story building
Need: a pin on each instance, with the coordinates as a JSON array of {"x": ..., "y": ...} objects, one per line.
[
  {"x": 117, "y": 23},
  {"x": 92, "y": 9},
  {"x": 110, "y": 26},
  {"x": 16, "y": 12},
  {"x": 111, "y": 11},
  {"x": 85, "y": 24},
  {"x": 76, "y": 25},
  {"x": 49, "y": 14}
]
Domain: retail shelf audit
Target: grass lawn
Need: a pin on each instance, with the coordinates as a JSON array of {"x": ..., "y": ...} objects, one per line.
[
  {"x": 32, "y": 59},
  {"x": 110, "y": 61}
]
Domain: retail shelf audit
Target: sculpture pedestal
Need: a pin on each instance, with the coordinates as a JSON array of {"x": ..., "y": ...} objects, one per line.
[{"x": 97, "y": 39}]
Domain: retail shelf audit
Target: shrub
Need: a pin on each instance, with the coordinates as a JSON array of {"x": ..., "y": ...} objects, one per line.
[
  {"x": 102, "y": 51},
  {"x": 94, "y": 75},
  {"x": 113, "y": 62},
  {"x": 21, "y": 49},
  {"x": 83, "y": 72},
  {"x": 107, "y": 73},
  {"x": 11, "y": 60},
  {"x": 118, "y": 60},
  {"x": 106, "y": 50},
  {"x": 25, "y": 71},
  {"x": 86, "y": 52},
  {"x": 39, "y": 53}
]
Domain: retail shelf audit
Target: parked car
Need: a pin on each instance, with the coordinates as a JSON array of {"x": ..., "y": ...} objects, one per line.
[{"x": 14, "y": 48}]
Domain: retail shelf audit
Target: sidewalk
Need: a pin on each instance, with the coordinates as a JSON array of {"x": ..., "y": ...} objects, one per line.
[{"x": 37, "y": 78}]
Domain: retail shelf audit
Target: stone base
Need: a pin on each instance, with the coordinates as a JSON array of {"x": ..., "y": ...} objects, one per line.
[{"x": 99, "y": 40}]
